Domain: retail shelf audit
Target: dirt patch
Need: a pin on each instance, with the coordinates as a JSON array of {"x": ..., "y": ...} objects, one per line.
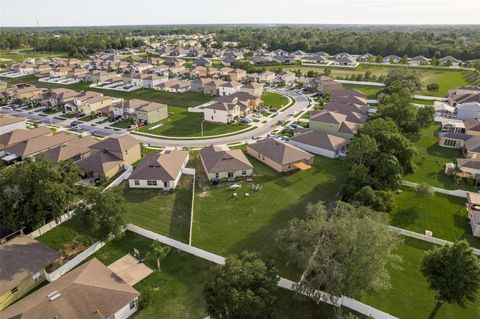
[{"x": 204, "y": 194}]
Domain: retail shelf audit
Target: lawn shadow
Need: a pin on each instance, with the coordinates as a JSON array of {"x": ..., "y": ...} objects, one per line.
[
  {"x": 405, "y": 217},
  {"x": 180, "y": 219}
]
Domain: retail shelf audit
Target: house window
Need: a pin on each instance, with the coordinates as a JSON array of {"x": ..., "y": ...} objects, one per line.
[
  {"x": 14, "y": 290},
  {"x": 244, "y": 172},
  {"x": 37, "y": 277},
  {"x": 136, "y": 182},
  {"x": 165, "y": 184},
  {"x": 217, "y": 175},
  {"x": 152, "y": 183},
  {"x": 133, "y": 304},
  {"x": 449, "y": 142}
]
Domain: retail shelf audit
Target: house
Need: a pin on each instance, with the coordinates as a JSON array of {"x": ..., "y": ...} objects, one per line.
[
  {"x": 283, "y": 59},
  {"x": 199, "y": 85},
  {"x": 469, "y": 168},
  {"x": 148, "y": 81},
  {"x": 469, "y": 110},
  {"x": 20, "y": 135},
  {"x": 152, "y": 112},
  {"x": 345, "y": 61},
  {"x": 23, "y": 261},
  {"x": 159, "y": 170},
  {"x": 453, "y": 139},
  {"x": 472, "y": 127},
  {"x": 327, "y": 85},
  {"x": 127, "y": 108},
  {"x": 71, "y": 151},
  {"x": 228, "y": 61},
  {"x": 220, "y": 162},
  {"x": 60, "y": 71},
  {"x": 461, "y": 93},
  {"x": 34, "y": 146},
  {"x": 367, "y": 57},
  {"x": 344, "y": 125},
  {"x": 202, "y": 62},
  {"x": 95, "y": 103},
  {"x": 202, "y": 72},
  {"x": 253, "y": 88},
  {"x": 248, "y": 99},
  {"x": 109, "y": 156},
  {"x": 220, "y": 112},
  {"x": 449, "y": 60},
  {"x": 320, "y": 143},
  {"x": 213, "y": 87},
  {"x": 89, "y": 291},
  {"x": 59, "y": 96},
  {"x": 266, "y": 77},
  {"x": 224, "y": 71},
  {"x": 287, "y": 77},
  {"x": 261, "y": 60},
  {"x": 279, "y": 155},
  {"x": 229, "y": 88},
  {"x": 473, "y": 209},
  {"x": 419, "y": 60},
  {"x": 175, "y": 86},
  {"x": 237, "y": 75},
  {"x": 9, "y": 123},
  {"x": 392, "y": 58}
]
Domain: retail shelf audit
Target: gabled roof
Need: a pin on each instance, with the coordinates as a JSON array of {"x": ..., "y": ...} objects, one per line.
[
  {"x": 473, "y": 144},
  {"x": 221, "y": 106},
  {"x": 472, "y": 125},
  {"x": 116, "y": 144},
  {"x": 349, "y": 127},
  {"x": 327, "y": 117},
  {"x": 70, "y": 150},
  {"x": 163, "y": 167},
  {"x": 152, "y": 106},
  {"x": 100, "y": 162},
  {"x": 7, "y": 120},
  {"x": 89, "y": 291},
  {"x": 218, "y": 159},
  {"x": 237, "y": 96},
  {"x": 468, "y": 163},
  {"x": 279, "y": 152},
  {"x": 21, "y": 135},
  {"x": 345, "y": 107},
  {"x": 321, "y": 140},
  {"x": 22, "y": 257},
  {"x": 39, "y": 144}
]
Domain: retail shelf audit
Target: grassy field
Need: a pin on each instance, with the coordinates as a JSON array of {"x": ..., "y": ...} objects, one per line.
[
  {"x": 409, "y": 296},
  {"x": 431, "y": 159},
  {"x": 186, "y": 99},
  {"x": 445, "y": 78},
  {"x": 164, "y": 213},
  {"x": 444, "y": 215},
  {"x": 369, "y": 91},
  {"x": 20, "y": 55},
  {"x": 274, "y": 100},
  {"x": 182, "y": 123},
  {"x": 225, "y": 224}
]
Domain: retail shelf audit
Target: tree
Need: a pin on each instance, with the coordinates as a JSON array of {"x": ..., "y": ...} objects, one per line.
[
  {"x": 404, "y": 59},
  {"x": 327, "y": 71},
  {"x": 425, "y": 116},
  {"x": 433, "y": 87},
  {"x": 434, "y": 61},
  {"x": 36, "y": 192},
  {"x": 448, "y": 63},
  {"x": 246, "y": 287},
  {"x": 407, "y": 79},
  {"x": 424, "y": 190},
  {"x": 103, "y": 212},
  {"x": 454, "y": 272},
  {"x": 344, "y": 252},
  {"x": 158, "y": 252},
  {"x": 378, "y": 200},
  {"x": 379, "y": 59}
]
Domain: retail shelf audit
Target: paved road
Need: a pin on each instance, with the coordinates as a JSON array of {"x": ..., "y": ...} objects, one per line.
[{"x": 300, "y": 103}]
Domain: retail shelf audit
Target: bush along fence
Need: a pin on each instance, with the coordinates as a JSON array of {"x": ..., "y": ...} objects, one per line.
[{"x": 48, "y": 226}]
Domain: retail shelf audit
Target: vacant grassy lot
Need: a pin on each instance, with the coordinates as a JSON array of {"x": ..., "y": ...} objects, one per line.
[
  {"x": 274, "y": 100},
  {"x": 186, "y": 99},
  {"x": 444, "y": 215},
  {"x": 445, "y": 78},
  {"x": 369, "y": 91},
  {"x": 20, "y": 55},
  {"x": 182, "y": 123},
  {"x": 225, "y": 224},
  {"x": 409, "y": 296},
  {"x": 164, "y": 213},
  {"x": 431, "y": 159}
]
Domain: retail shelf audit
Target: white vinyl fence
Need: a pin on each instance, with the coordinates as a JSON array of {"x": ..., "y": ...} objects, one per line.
[
  {"x": 45, "y": 228},
  {"x": 75, "y": 261},
  {"x": 121, "y": 178}
]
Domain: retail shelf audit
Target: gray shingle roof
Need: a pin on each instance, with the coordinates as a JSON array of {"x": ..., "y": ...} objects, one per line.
[
  {"x": 217, "y": 159},
  {"x": 279, "y": 152}
]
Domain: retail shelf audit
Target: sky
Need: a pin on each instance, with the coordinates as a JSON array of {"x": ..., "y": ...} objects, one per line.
[{"x": 143, "y": 12}]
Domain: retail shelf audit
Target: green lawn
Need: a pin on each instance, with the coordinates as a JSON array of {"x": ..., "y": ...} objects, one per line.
[
  {"x": 274, "y": 100},
  {"x": 446, "y": 78},
  {"x": 164, "y": 213},
  {"x": 177, "y": 289},
  {"x": 431, "y": 159},
  {"x": 369, "y": 91},
  {"x": 409, "y": 296},
  {"x": 444, "y": 215},
  {"x": 182, "y": 123},
  {"x": 122, "y": 124},
  {"x": 186, "y": 99},
  {"x": 88, "y": 118},
  {"x": 225, "y": 224},
  {"x": 424, "y": 102},
  {"x": 20, "y": 55}
]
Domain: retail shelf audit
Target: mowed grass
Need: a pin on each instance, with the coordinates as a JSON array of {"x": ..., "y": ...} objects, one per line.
[
  {"x": 177, "y": 289},
  {"x": 431, "y": 159},
  {"x": 186, "y": 99},
  {"x": 274, "y": 100},
  {"x": 369, "y": 91},
  {"x": 444, "y": 215},
  {"x": 446, "y": 78},
  {"x": 409, "y": 296},
  {"x": 7, "y": 56},
  {"x": 166, "y": 213},
  {"x": 181, "y": 123},
  {"x": 225, "y": 224}
]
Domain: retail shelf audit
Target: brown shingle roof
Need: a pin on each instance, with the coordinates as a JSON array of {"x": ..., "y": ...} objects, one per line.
[
  {"x": 116, "y": 144},
  {"x": 21, "y": 135},
  {"x": 321, "y": 140},
  {"x": 279, "y": 152},
  {"x": 7, "y": 120},
  {"x": 100, "y": 162},
  {"x": 39, "y": 144},
  {"x": 70, "y": 150},
  {"x": 327, "y": 117},
  {"x": 163, "y": 167},
  {"x": 89, "y": 291},
  {"x": 217, "y": 159}
]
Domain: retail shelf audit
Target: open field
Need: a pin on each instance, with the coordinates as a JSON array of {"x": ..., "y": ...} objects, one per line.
[
  {"x": 225, "y": 224},
  {"x": 369, "y": 91},
  {"x": 444, "y": 215},
  {"x": 7, "y": 56},
  {"x": 164, "y": 213},
  {"x": 182, "y": 123},
  {"x": 409, "y": 296},
  {"x": 431, "y": 159},
  {"x": 446, "y": 78}
]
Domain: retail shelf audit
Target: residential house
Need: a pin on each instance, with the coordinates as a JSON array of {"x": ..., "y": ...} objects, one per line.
[
  {"x": 316, "y": 59},
  {"x": 237, "y": 75},
  {"x": 148, "y": 81},
  {"x": 220, "y": 112},
  {"x": 202, "y": 62},
  {"x": 261, "y": 60},
  {"x": 468, "y": 168},
  {"x": 320, "y": 143},
  {"x": 473, "y": 209},
  {"x": 152, "y": 112},
  {"x": 9, "y": 123},
  {"x": 220, "y": 162},
  {"x": 213, "y": 87},
  {"x": 345, "y": 61},
  {"x": 419, "y": 60},
  {"x": 283, "y": 59},
  {"x": 472, "y": 127},
  {"x": 199, "y": 84},
  {"x": 266, "y": 77},
  {"x": 159, "y": 170},
  {"x": 21, "y": 135},
  {"x": 60, "y": 96},
  {"x": 229, "y": 88},
  {"x": 449, "y": 60},
  {"x": 367, "y": 57},
  {"x": 453, "y": 139},
  {"x": 279, "y": 155},
  {"x": 228, "y": 61},
  {"x": 78, "y": 74},
  {"x": 392, "y": 58},
  {"x": 75, "y": 103},
  {"x": 471, "y": 148},
  {"x": 252, "y": 101},
  {"x": 202, "y": 72},
  {"x": 23, "y": 261},
  {"x": 175, "y": 86},
  {"x": 60, "y": 71},
  {"x": 89, "y": 291},
  {"x": 253, "y": 88},
  {"x": 109, "y": 156},
  {"x": 287, "y": 77},
  {"x": 344, "y": 125},
  {"x": 469, "y": 109},
  {"x": 327, "y": 85},
  {"x": 42, "y": 71},
  {"x": 71, "y": 151}
]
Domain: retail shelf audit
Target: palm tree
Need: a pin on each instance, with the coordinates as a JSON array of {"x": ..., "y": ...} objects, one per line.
[{"x": 158, "y": 251}]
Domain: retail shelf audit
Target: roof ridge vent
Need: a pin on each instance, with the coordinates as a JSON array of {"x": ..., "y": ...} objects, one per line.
[{"x": 54, "y": 296}]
